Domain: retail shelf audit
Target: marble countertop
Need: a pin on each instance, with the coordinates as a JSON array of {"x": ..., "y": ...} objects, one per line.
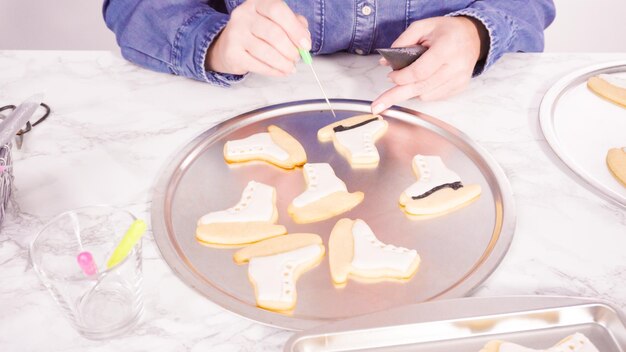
[{"x": 115, "y": 125}]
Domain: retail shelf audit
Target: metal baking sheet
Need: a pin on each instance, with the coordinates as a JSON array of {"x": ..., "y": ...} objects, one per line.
[
  {"x": 467, "y": 324},
  {"x": 581, "y": 127},
  {"x": 458, "y": 250}
]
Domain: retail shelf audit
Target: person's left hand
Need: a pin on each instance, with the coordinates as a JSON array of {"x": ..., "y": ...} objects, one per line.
[{"x": 455, "y": 44}]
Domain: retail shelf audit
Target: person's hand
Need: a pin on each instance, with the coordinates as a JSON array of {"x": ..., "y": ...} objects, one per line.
[
  {"x": 262, "y": 36},
  {"x": 445, "y": 68}
]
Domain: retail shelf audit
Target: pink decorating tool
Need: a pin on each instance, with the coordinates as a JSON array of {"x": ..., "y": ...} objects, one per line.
[{"x": 85, "y": 261}]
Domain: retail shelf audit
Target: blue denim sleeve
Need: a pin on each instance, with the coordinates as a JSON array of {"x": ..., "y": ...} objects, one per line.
[
  {"x": 168, "y": 36},
  {"x": 513, "y": 25}
]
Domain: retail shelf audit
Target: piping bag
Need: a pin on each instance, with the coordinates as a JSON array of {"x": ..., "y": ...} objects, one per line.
[
  {"x": 18, "y": 118},
  {"x": 400, "y": 58}
]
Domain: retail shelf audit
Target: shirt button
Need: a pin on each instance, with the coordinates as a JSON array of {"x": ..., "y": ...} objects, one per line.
[
  {"x": 359, "y": 51},
  {"x": 366, "y": 10}
]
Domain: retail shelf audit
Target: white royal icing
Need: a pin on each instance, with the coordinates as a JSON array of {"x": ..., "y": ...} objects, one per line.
[
  {"x": 360, "y": 140},
  {"x": 614, "y": 80},
  {"x": 575, "y": 343},
  {"x": 322, "y": 181},
  {"x": 433, "y": 173},
  {"x": 371, "y": 254},
  {"x": 256, "y": 204},
  {"x": 273, "y": 275},
  {"x": 260, "y": 143}
]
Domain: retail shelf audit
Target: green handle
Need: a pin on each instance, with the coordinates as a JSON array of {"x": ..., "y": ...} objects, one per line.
[
  {"x": 306, "y": 56},
  {"x": 132, "y": 236}
]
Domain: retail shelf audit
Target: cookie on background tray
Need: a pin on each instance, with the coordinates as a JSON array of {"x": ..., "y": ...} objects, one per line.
[
  {"x": 574, "y": 343},
  {"x": 276, "y": 264},
  {"x": 252, "y": 219},
  {"x": 609, "y": 87},
  {"x": 616, "y": 161},
  {"x": 326, "y": 195},
  {"x": 437, "y": 189},
  {"x": 274, "y": 146},
  {"x": 354, "y": 251},
  {"x": 354, "y": 138}
]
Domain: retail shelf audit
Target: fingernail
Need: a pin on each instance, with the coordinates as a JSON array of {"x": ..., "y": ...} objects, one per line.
[
  {"x": 305, "y": 44},
  {"x": 389, "y": 79},
  {"x": 380, "y": 107}
]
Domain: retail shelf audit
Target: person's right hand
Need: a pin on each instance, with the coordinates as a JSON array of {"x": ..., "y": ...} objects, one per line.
[{"x": 262, "y": 36}]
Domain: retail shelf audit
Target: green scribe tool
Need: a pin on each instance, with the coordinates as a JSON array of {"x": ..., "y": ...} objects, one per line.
[{"x": 306, "y": 57}]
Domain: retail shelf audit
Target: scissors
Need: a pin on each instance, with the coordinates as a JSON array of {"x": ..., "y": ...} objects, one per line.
[{"x": 19, "y": 140}]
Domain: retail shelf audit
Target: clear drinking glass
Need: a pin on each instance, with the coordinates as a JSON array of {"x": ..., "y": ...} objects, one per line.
[{"x": 102, "y": 305}]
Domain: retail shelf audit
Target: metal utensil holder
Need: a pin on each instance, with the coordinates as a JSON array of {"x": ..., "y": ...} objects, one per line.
[
  {"x": 6, "y": 159},
  {"x": 6, "y": 178}
]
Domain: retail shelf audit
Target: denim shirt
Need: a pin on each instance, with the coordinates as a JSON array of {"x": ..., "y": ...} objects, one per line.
[{"x": 174, "y": 35}]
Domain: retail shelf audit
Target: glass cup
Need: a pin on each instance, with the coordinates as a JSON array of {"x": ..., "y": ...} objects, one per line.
[{"x": 99, "y": 305}]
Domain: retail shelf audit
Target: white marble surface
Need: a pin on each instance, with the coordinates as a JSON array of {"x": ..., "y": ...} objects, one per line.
[{"x": 115, "y": 125}]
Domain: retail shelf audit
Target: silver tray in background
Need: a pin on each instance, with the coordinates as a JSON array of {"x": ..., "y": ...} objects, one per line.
[
  {"x": 581, "y": 127},
  {"x": 458, "y": 250},
  {"x": 467, "y": 324}
]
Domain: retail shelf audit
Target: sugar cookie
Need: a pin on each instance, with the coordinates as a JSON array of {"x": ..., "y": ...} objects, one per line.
[
  {"x": 355, "y": 251},
  {"x": 574, "y": 343},
  {"x": 609, "y": 87},
  {"x": 354, "y": 138},
  {"x": 274, "y": 266},
  {"x": 616, "y": 161},
  {"x": 438, "y": 189},
  {"x": 483, "y": 325},
  {"x": 326, "y": 195},
  {"x": 275, "y": 147},
  {"x": 252, "y": 219},
  {"x": 276, "y": 245}
]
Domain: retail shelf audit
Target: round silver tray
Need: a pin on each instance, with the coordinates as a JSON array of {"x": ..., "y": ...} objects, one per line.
[
  {"x": 581, "y": 127},
  {"x": 459, "y": 250}
]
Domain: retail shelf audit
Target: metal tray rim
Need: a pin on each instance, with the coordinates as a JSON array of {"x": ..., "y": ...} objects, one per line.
[
  {"x": 551, "y": 303},
  {"x": 546, "y": 110},
  {"x": 159, "y": 225}
]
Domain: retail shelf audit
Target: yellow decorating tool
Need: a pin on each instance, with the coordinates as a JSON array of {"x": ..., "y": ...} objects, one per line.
[{"x": 132, "y": 236}]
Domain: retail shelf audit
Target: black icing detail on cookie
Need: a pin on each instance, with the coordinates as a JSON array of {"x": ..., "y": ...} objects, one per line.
[
  {"x": 342, "y": 128},
  {"x": 453, "y": 185}
]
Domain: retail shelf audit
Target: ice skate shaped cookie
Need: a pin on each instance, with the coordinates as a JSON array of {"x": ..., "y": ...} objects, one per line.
[
  {"x": 275, "y": 147},
  {"x": 438, "y": 189},
  {"x": 276, "y": 264},
  {"x": 326, "y": 195},
  {"x": 609, "y": 87},
  {"x": 616, "y": 161},
  {"x": 574, "y": 343},
  {"x": 354, "y": 138},
  {"x": 355, "y": 251},
  {"x": 252, "y": 219}
]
